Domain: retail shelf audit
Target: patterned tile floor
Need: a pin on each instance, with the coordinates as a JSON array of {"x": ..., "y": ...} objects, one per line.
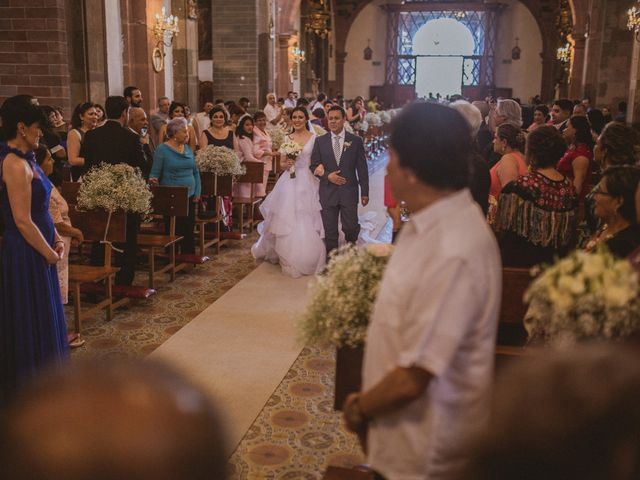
[
  {"x": 297, "y": 434},
  {"x": 141, "y": 327}
]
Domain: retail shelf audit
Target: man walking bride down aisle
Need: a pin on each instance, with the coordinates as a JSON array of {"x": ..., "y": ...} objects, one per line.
[{"x": 303, "y": 212}]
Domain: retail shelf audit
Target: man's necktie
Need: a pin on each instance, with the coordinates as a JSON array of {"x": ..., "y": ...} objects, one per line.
[{"x": 336, "y": 149}]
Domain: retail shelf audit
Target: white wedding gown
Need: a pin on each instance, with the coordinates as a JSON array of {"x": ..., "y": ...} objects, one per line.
[{"x": 292, "y": 233}]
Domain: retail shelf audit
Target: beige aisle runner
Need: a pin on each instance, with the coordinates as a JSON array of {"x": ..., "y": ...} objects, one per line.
[{"x": 240, "y": 348}]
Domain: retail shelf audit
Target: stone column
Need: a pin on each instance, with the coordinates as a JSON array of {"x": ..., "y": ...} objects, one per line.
[
  {"x": 340, "y": 61},
  {"x": 576, "y": 89},
  {"x": 283, "y": 82},
  {"x": 633, "y": 111},
  {"x": 33, "y": 52},
  {"x": 235, "y": 49},
  {"x": 137, "y": 18},
  {"x": 185, "y": 57}
]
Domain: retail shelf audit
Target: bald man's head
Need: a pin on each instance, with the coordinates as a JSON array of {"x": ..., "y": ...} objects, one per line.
[
  {"x": 112, "y": 420},
  {"x": 138, "y": 119}
]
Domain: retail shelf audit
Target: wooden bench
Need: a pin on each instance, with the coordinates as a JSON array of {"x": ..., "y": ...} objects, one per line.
[
  {"x": 340, "y": 473},
  {"x": 209, "y": 182},
  {"x": 512, "y": 335},
  {"x": 93, "y": 225},
  {"x": 172, "y": 202},
  {"x": 254, "y": 176}
]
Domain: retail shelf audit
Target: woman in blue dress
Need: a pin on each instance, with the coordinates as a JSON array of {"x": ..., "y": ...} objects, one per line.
[{"x": 33, "y": 333}]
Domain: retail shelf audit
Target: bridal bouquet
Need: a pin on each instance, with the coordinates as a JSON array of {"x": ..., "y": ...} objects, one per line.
[
  {"x": 291, "y": 150},
  {"x": 219, "y": 160},
  {"x": 342, "y": 299},
  {"x": 277, "y": 137},
  {"x": 585, "y": 295},
  {"x": 114, "y": 187}
]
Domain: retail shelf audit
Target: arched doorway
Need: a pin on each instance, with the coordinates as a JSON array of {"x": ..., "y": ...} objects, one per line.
[{"x": 441, "y": 46}]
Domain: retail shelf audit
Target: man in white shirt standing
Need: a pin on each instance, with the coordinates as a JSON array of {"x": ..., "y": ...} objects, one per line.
[
  {"x": 273, "y": 112},
  {"x": 429, "y": 354},
  {"x": 202, "y": 118},
  {"x": 291, "y": 100}
]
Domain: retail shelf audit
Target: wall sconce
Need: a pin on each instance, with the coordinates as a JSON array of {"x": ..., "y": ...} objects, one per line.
[
  {"x": 164, "y": 29},
  {"x": 368, "y": 53},
  {"x": 633, "y": 21},
  {"x": 516, "y": 51},
  {"x": 564, "y": 54},
  {"x": 297, "y": 55}
]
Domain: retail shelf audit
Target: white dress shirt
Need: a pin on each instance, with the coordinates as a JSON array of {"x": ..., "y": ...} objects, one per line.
[
  {"x": 271, "y": 112},
  {"x": 288, "y": 103},
  {"x": 437, "y": 309}
]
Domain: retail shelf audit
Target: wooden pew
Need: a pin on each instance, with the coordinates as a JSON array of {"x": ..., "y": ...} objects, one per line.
[
  {"x": 511, "y": 333},
  {"x": 172, "y": 202},
  {"x": 254, "y": 175},
  {"x": 93, "y": 224},
  {"x": 209, "y": 182}
]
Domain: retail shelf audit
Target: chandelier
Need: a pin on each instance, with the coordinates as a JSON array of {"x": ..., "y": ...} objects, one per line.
[
  {"x": 165, "y": 28},
  {"x": 319, "y": 20},
  {"x": 297, "y": 55},
  {"x": 633, "y": 20}
]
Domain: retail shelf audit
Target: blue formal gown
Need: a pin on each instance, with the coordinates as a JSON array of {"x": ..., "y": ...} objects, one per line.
[{"x": 33, "y": 332}]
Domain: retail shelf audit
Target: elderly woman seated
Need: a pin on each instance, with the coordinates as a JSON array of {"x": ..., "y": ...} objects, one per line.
[
  {"x": 535, "y": 218},
  {"x": 615, "y": 206}
]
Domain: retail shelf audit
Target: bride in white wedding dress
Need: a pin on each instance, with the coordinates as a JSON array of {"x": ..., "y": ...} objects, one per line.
[{"x": 292, "y": 233}]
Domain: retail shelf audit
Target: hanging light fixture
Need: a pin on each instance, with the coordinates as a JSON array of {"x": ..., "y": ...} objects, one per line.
[
  {"x": 564, "y": 54},
  {"x": 368, "y": 53},
  {"x": 633, "y": 20},
  {"x": 319, "y": 20}
]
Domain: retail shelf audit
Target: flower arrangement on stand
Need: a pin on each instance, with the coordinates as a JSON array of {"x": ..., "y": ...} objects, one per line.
[
  {"x": 584, "y": 296},
  {"x": 385, "y": 117},
  {"x": 114, "y": 187},
  {"x": 373, "y": 119},
  {"x": 219, "y": 160},
  {"x": 340, "y": 307},
  {"x": 362, "y": 126},
  {"x": 291, "y": 150},
  {"x": 277, "y": 137}
]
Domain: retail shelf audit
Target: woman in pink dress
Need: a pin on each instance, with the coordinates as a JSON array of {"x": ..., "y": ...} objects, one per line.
[
  {"x": 244, "y": 135},
  {"x": 262, "y": 149}
]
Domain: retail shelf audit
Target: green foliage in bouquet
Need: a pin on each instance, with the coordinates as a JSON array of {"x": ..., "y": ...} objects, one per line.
[
  {"x": 584, "y": 296},
  {"x": 114, "y": 187},
  {"x": 342, "y": 299}
]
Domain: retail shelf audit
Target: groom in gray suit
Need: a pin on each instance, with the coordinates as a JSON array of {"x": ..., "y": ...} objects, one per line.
[{"x": 344, "y": 172}]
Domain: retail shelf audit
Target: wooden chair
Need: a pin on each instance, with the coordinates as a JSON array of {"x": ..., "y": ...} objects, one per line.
[
  {"x": 511, "y": 333},
  {"x": 93, "y": 225},
  {"x": 209, "y": 182},
  {"x": 254, "y": 175},
  {"x": 172, "y": 202}
]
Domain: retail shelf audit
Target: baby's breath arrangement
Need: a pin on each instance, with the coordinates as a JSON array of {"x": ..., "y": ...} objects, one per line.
[
  {"x": 363, "y": 126},
  {"x": 342, "y": 299},
  {"x": 219, "y": 160},
  {"x": 585, "y": 295},
  {"x": 114, "y": 187},
  {"x": 385, "y": 116},
  {"x": 277, "y": 137},
  {"x": 373, "y": 118}
]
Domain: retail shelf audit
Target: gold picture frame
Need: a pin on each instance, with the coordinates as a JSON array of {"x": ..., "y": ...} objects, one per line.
[{"x": 157, "y": 60}]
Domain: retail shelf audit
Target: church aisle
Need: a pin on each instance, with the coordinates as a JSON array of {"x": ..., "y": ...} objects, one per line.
[{"x": 240, "y": 348}]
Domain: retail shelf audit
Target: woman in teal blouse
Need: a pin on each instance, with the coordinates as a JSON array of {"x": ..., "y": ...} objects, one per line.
[{"x": 175, "y": 165}]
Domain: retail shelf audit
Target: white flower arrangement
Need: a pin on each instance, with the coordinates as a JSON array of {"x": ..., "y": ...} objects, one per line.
[
  {"x": 219, "y": 160},
  {"x": 348, "y": 127},
  {"x": 291, "y": 150},
  {"x": 585, "y": 295},
  {"x": 373, "y": 119},
  {"x": 114, "y": 187},
  {"x": 277, "y": 137},
  {"x": 385, "y": 117},
  {"x": 342, "y": 299},
  {"x": 362, "y": 126}
]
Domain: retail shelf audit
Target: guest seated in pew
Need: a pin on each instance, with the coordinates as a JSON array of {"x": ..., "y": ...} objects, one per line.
[
  {"x": 566, "y": 415},
  {"x": 112, "y": 420},
  {"x": 618, "y": 144},
  {"x": 615, "y": 206},
  {"x": 535, "y": 218},
  {"x": 175, "y": 165}
]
